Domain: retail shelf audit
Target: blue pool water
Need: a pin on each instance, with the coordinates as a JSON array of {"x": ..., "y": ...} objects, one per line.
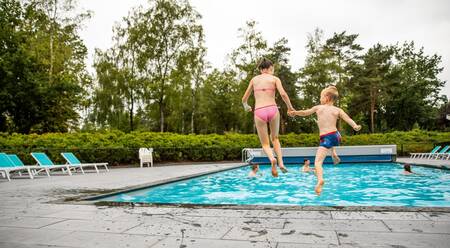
[{"x": 346, "y": 185}]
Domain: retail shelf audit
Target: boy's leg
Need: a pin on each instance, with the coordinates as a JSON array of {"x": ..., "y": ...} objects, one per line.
[
  {"x": 320, "y": 157},
  {"x": 263, "y": 134},
  {"x": 336, "y": 159},
  {"x": 274, "y": 129}
]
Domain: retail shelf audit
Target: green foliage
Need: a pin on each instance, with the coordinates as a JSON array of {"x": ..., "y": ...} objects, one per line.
[
  {"x": 42, "y": 70},
  {"x": 118, "y": 147},
  {"x": 155, "y": 76}
]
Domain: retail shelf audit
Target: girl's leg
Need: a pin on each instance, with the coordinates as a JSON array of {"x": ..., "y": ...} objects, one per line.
[
  {"x": 320, "y": 157},
  {"x": 261, "y": 127},
  {"x": 274, "y": 129}
]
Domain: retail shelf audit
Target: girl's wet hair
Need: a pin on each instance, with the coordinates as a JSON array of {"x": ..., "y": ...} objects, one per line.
[{"x": 264, "y": 64}]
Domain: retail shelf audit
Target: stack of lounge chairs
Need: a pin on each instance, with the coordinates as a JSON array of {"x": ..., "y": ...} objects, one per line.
[
  {"x": 10, "y": 165},
  {"x": 439, "y": 152}
]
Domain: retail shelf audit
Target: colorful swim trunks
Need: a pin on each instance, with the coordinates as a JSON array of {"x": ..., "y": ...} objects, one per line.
[{"x": 330, "y": 139}]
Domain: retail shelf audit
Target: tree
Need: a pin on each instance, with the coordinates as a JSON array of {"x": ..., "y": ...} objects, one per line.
[
  {"x": 119, "y": 85},
  {"x": 218, "y": 102},
  {"x": 243, "y": 63},
  {"x": 414, "y": 93},
  {"x": 165, "y": 32},
  {"x": 371, "y": 81},
  {"x": 279, "y": 54},
  {"x": 48, "y": 94},
  {"x": 314, "y": 76}
]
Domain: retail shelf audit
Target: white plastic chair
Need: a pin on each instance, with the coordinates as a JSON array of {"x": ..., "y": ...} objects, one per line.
[{"x": 146, "y": 156}]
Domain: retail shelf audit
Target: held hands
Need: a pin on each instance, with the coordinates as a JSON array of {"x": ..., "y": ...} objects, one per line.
[{"x": 291, "y": 112}]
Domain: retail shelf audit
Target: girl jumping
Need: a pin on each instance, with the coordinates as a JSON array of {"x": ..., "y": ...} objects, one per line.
[{"x": 266, "y": 112}]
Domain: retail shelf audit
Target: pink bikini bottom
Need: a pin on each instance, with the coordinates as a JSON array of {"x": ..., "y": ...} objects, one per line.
[{"x": 266, "y": 113}]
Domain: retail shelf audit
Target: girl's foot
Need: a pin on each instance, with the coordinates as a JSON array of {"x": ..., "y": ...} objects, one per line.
[
  {"x": 274, "y": 168},
  {"x": 336, "y": 160},
  {"x": 319, "y": 186}
]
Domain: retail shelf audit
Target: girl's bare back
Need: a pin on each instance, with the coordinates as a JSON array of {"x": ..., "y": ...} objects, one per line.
[{"x": 264, "y": 87}]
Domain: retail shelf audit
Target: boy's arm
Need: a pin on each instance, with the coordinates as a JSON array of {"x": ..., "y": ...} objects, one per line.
[
  {"x": 344, "y": 116},
  {"x": 283, "y": 94},
  {"x": 306, "y": 112},
  {"x": 246, "y": 96}
]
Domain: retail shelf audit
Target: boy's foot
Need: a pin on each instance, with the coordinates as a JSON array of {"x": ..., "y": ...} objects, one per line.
[
  {"x": 283, "y": 169},
  {"x": 336, "y": 160},
  {"x": 274, "y": 168},
  {"x": 319, "y": 187}
]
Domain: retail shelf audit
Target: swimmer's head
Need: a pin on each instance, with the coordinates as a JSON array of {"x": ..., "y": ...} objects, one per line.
[
  {"x": 329, "y": 95},
  {"x": 265, "y": 66},
  {"x": 407, "y": 168},
  {"x": 306, "y": 162},
  {"x": 255, "y": 167}
]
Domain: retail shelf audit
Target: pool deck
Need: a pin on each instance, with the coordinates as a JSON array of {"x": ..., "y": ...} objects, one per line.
[
  {"x": 27, "y": 219},
  {"x": 438, "y": 163}
]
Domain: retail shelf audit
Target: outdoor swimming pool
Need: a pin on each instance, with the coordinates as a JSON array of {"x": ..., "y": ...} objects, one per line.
[{"x": 346, "y": 185}]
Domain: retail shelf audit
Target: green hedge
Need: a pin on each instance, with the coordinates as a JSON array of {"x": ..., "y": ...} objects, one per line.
[{"x": 118, "y": 147}]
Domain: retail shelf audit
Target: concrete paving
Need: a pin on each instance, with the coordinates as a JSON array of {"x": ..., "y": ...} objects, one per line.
[
  {"x": 438, "y": 163},
  {"x": 30, "y": 216}
]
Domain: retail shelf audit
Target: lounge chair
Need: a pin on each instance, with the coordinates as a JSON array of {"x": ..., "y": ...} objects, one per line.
[
  {"x": 446, "y": 156},
  {"x": 7, "y": 166},
  {"x": 442, "y": 152},
  {"x": 73, "y": 161},
  {"x": 46, "y": 164},
  {"x": 425, "y": 154}
]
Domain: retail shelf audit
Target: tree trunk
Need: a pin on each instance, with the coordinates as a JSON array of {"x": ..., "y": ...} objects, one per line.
[
  {"x": 372, "y": 110},
  {"x": 192, "y": 121},
  {"x": 131, "y": 113},
  {"x": 161, "y": 113},
  {"x": 52, "y": 30},
  {"x": 282, "y": 125},
  {"x": 193, "y": 111},
  {"x": 182, "y": 122}
]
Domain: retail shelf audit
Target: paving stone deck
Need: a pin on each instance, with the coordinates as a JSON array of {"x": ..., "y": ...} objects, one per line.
[{"x": 31, "y": 217}]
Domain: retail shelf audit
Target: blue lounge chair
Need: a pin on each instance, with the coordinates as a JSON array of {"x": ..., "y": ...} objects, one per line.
[
  {"x": 446, "y": 156},
  {"x": 441, "y": 153},
  {"x": 7, "y": 166},
  {"x": 47, "y": 165},
  {"x": 425, "y": 154},
  {"x": 73, "y": 161}
]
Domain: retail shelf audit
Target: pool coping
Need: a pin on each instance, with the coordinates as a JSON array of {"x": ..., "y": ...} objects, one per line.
[
  {"x": 442, "y": 167},
  {"x": 89, "y": 199}
]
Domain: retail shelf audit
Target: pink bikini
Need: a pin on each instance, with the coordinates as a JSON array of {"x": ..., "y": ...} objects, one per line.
[{"x": 266, "y": 113}]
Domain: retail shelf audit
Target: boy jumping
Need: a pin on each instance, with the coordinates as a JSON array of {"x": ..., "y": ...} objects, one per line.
[{"x": 327, "y": 116}]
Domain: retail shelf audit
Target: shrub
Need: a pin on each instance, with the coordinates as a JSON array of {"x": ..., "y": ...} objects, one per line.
[{"x": 118, "y": 147}]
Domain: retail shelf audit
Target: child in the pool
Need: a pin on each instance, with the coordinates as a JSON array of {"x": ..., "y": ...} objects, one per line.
[
  {"x": 327, "y": 116},
  {"x": 254, "y": 171},
  {"x": 407, "y": 170},
  {"x": 306, "y": 164}
]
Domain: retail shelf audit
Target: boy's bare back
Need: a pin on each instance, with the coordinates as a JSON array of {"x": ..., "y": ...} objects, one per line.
[{"x": 327, "y": 116}]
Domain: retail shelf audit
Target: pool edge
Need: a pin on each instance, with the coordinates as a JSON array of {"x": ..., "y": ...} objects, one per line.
[{"x": 88, "y": 199}]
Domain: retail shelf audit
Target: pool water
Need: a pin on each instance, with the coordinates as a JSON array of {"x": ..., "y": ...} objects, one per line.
[{"x": 345, "y": 185}]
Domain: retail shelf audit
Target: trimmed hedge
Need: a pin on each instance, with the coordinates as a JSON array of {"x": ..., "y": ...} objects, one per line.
[{"x": 118, "y": 147}]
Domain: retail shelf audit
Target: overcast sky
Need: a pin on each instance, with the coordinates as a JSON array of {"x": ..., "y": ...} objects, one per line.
[{"x": 427, "y": 23}]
